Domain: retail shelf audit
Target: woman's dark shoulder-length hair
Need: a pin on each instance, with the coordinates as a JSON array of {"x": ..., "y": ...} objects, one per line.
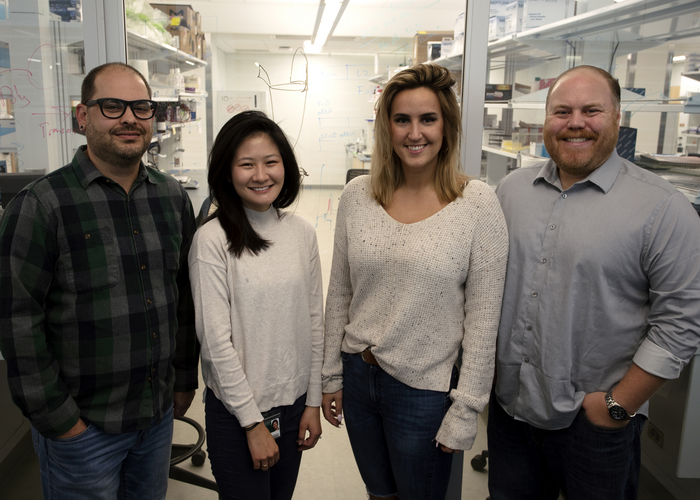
[{"x": 230, "y": 212}]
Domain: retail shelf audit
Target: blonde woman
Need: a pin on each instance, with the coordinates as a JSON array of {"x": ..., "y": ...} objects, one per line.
[{"x": 418, "y": 272}]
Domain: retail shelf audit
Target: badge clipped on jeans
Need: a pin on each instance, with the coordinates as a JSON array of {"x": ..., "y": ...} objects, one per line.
[{"x": 272, "y": 422}]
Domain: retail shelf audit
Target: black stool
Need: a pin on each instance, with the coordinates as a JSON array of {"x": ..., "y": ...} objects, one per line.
[
  {"x": 355, "y": 172},
  {"x": 181, "y": 452}
]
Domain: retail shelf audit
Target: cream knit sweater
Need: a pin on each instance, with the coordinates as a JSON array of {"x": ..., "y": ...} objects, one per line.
[
  {"x": 415, "y": 293},
  {"x": 259, "y": 318}
]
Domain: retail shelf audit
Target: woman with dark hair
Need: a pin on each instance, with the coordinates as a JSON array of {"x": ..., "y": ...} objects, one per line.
[
  {"x": 418, "y": 273},
  {"x": 256, "y": 281}
]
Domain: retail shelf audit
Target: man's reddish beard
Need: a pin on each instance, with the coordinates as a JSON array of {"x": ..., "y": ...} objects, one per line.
[{"x": 583, "y": 162}]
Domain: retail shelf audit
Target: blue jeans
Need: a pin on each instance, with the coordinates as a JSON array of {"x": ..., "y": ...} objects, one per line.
[
  {"x": 95, "y": 465},
  {"x": 585, "y": 461},
  {"x": 392, "y": 429},
  {"x": 232, "y": 463}
]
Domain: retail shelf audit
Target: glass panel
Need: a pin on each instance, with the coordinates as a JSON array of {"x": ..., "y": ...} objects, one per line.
[
  {"x": 650, "y": 46},
  {"x": 41, "y": 69}
]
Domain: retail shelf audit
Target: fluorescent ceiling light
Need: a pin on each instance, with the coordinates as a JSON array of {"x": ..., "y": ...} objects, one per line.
[
  {"x": 678, "y": 58},
  {"x": 330, "y": 11},
  {"x": 190, "y": 63},
  {"x": 309, "y": 48},
  {"x": 327, "y": 17}
]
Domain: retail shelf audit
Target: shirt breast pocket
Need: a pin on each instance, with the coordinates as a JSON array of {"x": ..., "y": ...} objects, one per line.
[{"x": 90, "y": 260}]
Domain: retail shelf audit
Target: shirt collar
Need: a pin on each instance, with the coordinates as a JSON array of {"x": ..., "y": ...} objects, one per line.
[
  {"x": 87, "y": 171},
  {"x": 603, "y": 176}
]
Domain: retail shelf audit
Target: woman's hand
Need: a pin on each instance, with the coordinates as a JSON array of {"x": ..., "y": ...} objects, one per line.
[
  {"x": 310, "y": 421},
  {"x": 332, "y": 404},
  {"x": 263, "y": 447},
  {"x": 449, "y": 450}
]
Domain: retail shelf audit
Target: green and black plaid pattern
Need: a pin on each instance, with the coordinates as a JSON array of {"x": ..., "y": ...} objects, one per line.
[{"x": 94, "y": 291}]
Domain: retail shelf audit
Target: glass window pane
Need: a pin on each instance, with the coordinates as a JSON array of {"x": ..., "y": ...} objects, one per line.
[{"x": 41, "y": 69}]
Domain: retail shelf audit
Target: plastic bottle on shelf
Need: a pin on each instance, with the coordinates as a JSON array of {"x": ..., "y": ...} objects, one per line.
[
  {"x": 171, "y": 78},
  {"x": 180, "y": 85}
]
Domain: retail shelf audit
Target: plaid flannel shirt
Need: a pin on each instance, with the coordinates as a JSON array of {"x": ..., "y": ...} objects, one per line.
[{"x": 94, "y": 290}]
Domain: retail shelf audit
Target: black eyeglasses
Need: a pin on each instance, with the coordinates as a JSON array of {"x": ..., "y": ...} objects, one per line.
[{"x": 113, "y": 108}]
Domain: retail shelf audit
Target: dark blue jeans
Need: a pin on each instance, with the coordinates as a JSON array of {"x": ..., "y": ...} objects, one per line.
[
  {"x": 392, "y": 430},
  {"x": 232, "y": 464},
  {"x": 585, "y": 461},
  {"x": 95, "y": 465}
]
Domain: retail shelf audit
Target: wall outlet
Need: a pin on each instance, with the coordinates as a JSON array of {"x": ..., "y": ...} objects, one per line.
[{"x": 655, "y": 435}]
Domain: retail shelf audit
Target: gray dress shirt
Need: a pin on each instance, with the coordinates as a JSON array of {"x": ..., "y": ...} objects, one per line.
[{"x": 600, "y": 275}]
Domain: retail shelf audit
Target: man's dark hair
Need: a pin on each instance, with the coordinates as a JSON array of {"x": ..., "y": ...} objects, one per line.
[
  {"x": 231, "y": 214},
  {"x": 612, "y": 82},
  {"x": 88, "y": 88}
]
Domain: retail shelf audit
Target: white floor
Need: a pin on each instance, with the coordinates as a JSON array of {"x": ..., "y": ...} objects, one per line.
[{"x": 328, "y": 471}]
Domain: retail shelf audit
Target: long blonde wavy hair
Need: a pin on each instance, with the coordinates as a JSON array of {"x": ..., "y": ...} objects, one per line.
[{"x": 386, "y": 172}]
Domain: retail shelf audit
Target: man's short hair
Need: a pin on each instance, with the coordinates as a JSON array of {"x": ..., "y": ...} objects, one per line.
[
  {"x": 88, "y": 88},
  {"x": 612, "y": 83}
]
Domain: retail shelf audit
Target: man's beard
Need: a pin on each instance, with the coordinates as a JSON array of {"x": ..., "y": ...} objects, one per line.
[
  {"x": 105, "y": 146},
  {"x": 582, "y": 163}
]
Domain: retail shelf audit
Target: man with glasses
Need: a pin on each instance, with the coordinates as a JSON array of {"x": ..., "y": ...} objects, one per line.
[{"x": 96, "y": 316}]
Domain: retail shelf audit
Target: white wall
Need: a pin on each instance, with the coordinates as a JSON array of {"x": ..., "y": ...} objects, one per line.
[{"x": 336, "y": 108}]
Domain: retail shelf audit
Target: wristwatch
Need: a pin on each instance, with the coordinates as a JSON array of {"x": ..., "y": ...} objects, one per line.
[{"x": 616, "y": 411}]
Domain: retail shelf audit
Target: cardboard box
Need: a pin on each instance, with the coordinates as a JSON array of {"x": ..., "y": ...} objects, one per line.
[
  {"x": 185, "y": 39},
  {"x": 497, "y": 27},
  {"x": 460, "y": 25},
  {"x": 544, "y": 83},
  {"x": 420, "y": 43},
  {"x": 447, "y": 47},
  {"x": 692, "y": 62},
  {"x": 538, "y": 13},
  {"x": 514, "y": 17},
  {"x": 200, "y": 46},
  {"x": 180, "y": 15},
  {"x": 498, "y": 7}
]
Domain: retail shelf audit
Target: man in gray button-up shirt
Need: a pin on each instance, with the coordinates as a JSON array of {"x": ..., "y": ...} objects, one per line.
[{"x": 601, "y": 304}]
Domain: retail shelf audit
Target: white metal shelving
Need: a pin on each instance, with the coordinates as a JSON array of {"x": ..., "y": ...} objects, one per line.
[{"x": 154, "y": 51}]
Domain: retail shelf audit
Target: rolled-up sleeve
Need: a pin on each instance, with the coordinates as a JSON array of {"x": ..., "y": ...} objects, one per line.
[{"x": 672, "y": 263}]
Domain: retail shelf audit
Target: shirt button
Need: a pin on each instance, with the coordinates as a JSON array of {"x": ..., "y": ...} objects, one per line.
[
  {"x": 564, "y": 195},
  {"x": 153, "y": 370},
  {"x": 149, "y": 301},
  {"x": 149, "y": 379},
  {"x": 543, "y": 261},
  {"x": 136, "y": 231},
  {"x": 552, "y": 226},
  {"x": 143, "y": 267},
  {"x": 529, "y": 328},
  {"x": 534, "y": 294},
  {"x": 155, "y": 334},
  {"x": 88, "y": 236},
  {"x": 527, "y": 360}
]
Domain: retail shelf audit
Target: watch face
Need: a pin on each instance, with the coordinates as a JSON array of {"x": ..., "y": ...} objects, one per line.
[{"x": 618, "y": 413}]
